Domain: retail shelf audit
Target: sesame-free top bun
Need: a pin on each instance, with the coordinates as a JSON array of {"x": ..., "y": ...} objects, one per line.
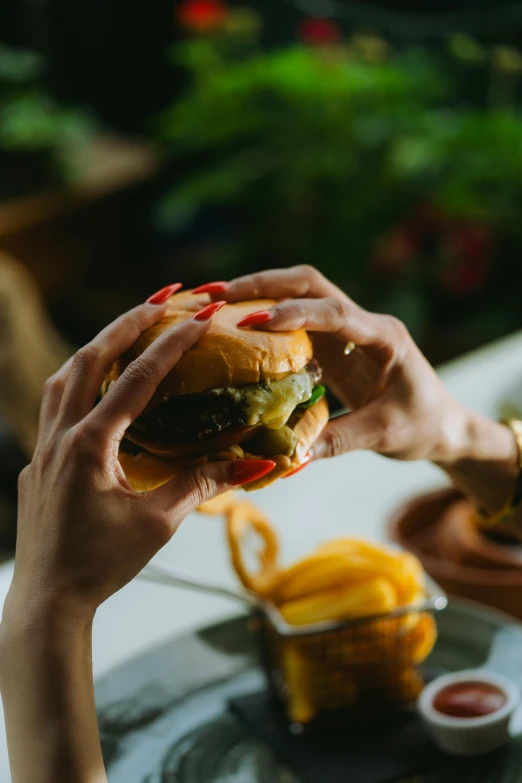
[
  {"x": 145, "y": 472},
  {"x": 225, "y": 356}
]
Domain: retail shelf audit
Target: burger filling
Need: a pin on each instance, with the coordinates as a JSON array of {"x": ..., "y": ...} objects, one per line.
[{"x": 259, "y": 413}]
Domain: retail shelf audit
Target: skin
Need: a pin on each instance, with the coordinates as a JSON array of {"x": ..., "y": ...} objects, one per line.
[
  {"x": 83, "y": 533},
  {"x": 399, "y": 407}
]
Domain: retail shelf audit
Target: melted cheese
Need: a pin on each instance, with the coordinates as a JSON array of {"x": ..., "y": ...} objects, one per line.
[
  {"x": 271, "y": 443},
  {"x": 272, "y": 403}
]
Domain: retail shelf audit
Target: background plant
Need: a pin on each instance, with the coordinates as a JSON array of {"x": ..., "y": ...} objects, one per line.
[
  {"x": 35, "y": 125},
  {"x": 361, "y": 160}
]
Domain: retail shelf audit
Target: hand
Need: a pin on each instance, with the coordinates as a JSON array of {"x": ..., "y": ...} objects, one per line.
[
  {"x": 398, "y": 405},
  {"x": 83, "y": 532}
]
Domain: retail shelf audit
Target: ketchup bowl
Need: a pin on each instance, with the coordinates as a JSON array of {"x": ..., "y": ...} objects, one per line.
[{"x": 468, "y": 713}]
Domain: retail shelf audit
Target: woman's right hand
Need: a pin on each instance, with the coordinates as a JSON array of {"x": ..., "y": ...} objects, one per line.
[
  {"x": 83, "y": 532},
  {"x": 398, "y": 405}
]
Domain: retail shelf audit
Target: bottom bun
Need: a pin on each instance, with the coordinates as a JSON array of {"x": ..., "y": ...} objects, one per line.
[{"x": 146, "y": 472}]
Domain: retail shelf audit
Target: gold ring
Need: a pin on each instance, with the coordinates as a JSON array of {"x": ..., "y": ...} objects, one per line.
[{"x": 348, "y": 348}]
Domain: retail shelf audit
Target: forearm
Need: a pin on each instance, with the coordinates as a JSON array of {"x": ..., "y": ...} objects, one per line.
[
  {"x": 481, "y": 459},
  {"x": 48, "y": 697}
]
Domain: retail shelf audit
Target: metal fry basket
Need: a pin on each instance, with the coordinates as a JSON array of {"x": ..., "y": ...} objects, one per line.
[{"x": 364, "y": 668}]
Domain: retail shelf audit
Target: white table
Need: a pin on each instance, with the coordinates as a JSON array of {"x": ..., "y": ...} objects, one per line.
[{"x": 353, "y": 494}]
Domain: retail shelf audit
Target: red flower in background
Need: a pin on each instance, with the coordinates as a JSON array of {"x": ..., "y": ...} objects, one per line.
[
  {"x": 202, "y": 16},
  {"x": 319, "y": 32},
  {"x": 395, "y": 252},
  {"x": 464, "y": 279},
  {"x": 463, "y": 249},
  {"x": 470, "y": 247},
  {"x": 426, "y": 220}
]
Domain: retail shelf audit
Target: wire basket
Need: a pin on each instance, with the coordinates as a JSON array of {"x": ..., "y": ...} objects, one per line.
[{"x": 366, "y": 668}]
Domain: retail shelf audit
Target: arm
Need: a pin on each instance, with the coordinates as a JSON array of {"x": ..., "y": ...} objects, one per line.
[
  {"x": 398, "y": 405},
  {"x": 484, "y": 463},
  {"x": 83, "y": 533},
  {"x": 48, "y": 696}
]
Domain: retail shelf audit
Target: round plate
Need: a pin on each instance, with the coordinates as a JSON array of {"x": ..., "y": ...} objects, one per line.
[{"x": 164, "y": 718}]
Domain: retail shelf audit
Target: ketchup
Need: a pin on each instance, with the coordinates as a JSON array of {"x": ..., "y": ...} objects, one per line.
[{"x": 469, "y": 699}]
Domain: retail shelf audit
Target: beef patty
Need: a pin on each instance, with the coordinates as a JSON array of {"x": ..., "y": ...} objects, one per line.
[{"x": 199, "y": 416}]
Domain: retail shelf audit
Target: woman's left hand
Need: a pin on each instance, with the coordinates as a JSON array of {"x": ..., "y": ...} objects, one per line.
[{"x": 399, "y": 406}]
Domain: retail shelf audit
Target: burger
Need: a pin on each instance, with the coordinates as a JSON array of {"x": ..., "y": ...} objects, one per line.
[{"x": 236, "y": 394}]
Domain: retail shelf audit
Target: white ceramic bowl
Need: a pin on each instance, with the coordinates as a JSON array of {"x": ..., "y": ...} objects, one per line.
[{"x": 469, "y": 736}]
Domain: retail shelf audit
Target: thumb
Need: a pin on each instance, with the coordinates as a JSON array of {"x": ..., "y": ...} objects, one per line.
[
  {"x": 193, "y": 487},
  {"x": 363, "y": 429}
]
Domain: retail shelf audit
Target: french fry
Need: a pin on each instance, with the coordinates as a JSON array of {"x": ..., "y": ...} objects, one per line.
[
  {"x": 344, "y": 564},
  {"x": 402, "y": 568},
  {"x": 298, "y": 673},
  {"x": 370, "y": 645},
  {"x": 372, "y": 597},
  {"x": 424, "y": 636},
  {"x": 355, "y": 546},
  {"x": 409, "y": 685},
  {"x": 305, "y": 676},
  {"x": 410, "y": 579},
  {"x": 342, "y": 579},
  {"x": 320, "y": 572}
]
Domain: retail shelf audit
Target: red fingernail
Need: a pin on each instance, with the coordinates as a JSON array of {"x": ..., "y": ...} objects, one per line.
[
  {"x": 208, "y": 311},
  {"x": 302, "y": 466},
  {"x": 161, "y": 296},
  {"x": 212, "y": 288},
  {"x": 256, "y": 319},
  {"x": 246, "y": 470}
]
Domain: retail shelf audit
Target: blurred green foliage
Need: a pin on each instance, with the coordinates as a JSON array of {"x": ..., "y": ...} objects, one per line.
[
  {"x": 333, "y": 155},
  {"x": 33, "y": 125},
  {"x": 302, "y": 145}
]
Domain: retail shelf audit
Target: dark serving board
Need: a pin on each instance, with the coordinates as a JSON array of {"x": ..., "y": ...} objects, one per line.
[{"x": 164, "y": 716}]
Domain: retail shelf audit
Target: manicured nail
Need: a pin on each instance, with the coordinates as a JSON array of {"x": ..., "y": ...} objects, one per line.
[
  {"x": 246, "y": 470},
  {"x": 256, "y": 319},
  {"x": 208, "y": 311},
  {"x": 212, "y": 288},
  {"x": 161, "y": 296},
  {"x": 300, "y": 467}
]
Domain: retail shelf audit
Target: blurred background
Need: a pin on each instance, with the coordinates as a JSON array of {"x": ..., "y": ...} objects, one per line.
[{"x": 142, "y": 144}]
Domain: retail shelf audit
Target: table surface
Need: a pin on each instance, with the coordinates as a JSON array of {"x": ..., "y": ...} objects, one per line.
[{"x": 354, "y": 494}]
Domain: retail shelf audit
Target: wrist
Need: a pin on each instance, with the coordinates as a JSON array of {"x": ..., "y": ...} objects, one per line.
[
  {"x": 481, "y": 457},
  {"x": 469, "y": 437},
  {"x": 457, "y": 437},
  {"x": 43, "y": 626}
]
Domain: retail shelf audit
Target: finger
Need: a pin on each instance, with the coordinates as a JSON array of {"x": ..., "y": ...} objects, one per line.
[
  {"x": 196, "y": 486},
  {"x": 52, "y": 394},
  {"x": 362, "y": 430},
  {"x": 338, "y": 316},
  {"x": 91, "y": 363},
  {"x": 128, "y": 396},
  {"x": 296, "y": 282}
]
